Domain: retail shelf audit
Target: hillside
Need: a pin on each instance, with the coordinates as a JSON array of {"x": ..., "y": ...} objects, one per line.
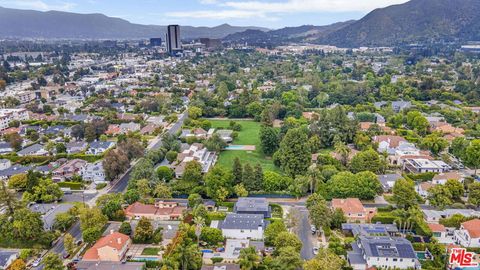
[
  {"x": 16, "y": 23},
  {"x": 414, "y": 21}
]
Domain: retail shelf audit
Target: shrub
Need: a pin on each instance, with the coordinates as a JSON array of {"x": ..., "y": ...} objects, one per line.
[
  {"x": 71, "y": 185},
  {"x": 384, "y": 218}
]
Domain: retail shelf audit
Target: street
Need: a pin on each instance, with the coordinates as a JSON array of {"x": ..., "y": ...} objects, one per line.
[{"x": 305, "y": 234}]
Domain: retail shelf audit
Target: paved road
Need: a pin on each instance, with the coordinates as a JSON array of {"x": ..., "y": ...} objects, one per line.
[{"x": 305, "y": 234}]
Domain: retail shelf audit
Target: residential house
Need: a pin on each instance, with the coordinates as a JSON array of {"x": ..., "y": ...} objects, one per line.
[
  {"x": 388, "y": 143},
  {"x": 7, "y": 257},
  {"x": 5, "y": 164},
  {"x": 76, "y": 147},
  {"x": 400, "y": 105},
  {"x": 99, "y": 147},
  {"x": 93, "y": 172},
  {"x": 162, "y": 210},
  {"x": 49, "y": 212},
  {"x": 226, "y": 135},
  {"x": 231, "y": 253},
  {"x": 440, "y": 233},
  {"x": 13, "y": 170},
  {"x": 441, "y": 179},
  {"x": 423, "y": 188},
  {"x": 9, "y": 115},
  {"x": 68, "y": 170},
  {"x": 388, "y": 180},
  {"x": 33, "y": 150},
  {"x": 129, "y": 127},
  {"x": 366, "y": 229},
  {"x": 200, "y": 133},
  {"x": 354, "y": 210},
  {"x": 148, "y": 129},
  {"x": 468, "y": 235},
  {"x": 383, "y": 252},
  {"x": 198, "y": 153},
  {"x": 220, "y": 266},
  {"x": 109, "y": 248},
  {"x": 251, "y": 205},
  {"x": 434, "y": 216},
  {"x": 421, "y": 165},
  {"x": 243, "y": 226},
  {"x": 5, "y": 148},
  {"x": 112, "y": 130}
]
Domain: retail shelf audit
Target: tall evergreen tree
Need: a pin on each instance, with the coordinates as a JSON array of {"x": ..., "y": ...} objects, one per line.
[
  {"x": 237, "y": 171},
  {"x": 248, "y": 178},
  {"x": 258, "y": 173}
]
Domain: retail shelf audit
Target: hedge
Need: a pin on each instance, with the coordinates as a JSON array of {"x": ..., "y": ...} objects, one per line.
[
  {"x": 424, "y": 177},
  {"x": 384, "y": 218},
  {"x": 216, "y": 215},
  {"x": 45, "y": 159},
  {"x": 71, "y": 185}
]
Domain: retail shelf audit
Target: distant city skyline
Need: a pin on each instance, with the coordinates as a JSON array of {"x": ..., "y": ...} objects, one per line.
[{"x": 266, "y": 13}]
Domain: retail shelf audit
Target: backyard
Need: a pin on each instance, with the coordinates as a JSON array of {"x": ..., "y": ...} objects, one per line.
[{"x": 248, "y": 135}]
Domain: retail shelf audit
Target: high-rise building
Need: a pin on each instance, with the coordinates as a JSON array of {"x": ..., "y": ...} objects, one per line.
[
  {"x": 155, "y": 42},
  {"x": 174, "y": 44}
]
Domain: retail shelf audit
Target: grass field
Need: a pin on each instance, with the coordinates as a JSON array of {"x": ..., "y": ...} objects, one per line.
[{"x": 249, "y": 135}]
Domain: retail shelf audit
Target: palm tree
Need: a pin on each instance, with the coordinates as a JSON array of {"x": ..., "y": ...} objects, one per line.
[
  {"x": 343, "y": 150},
  {"x": 187, "y": 253},
  {"x": 199, "y": 224},
  {"x": 248, "y": 258}
]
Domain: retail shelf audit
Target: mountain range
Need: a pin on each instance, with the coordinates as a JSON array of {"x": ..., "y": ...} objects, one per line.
[
  {"x": 412, "y": 22},
  {"x": 17, "y": 23}
]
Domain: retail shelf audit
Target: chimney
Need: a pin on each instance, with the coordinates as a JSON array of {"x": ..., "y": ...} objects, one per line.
[
  {"x": 119, "y": 240},
  {"x": 112, "y": 231}
]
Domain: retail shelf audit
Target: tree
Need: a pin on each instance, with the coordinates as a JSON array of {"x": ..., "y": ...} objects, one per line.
[
  {"x": 363, "y": 185},
  {"x": 368, "y": 160},
  {"x": 219, "y": 183},
  {"x": 343, "y": 151},
  {"x": 27, "y": 225},
  {"x": 143, "y": 188},
  {"x": 8, "y": 199},
  {"x": 454, "y": 221},
  {"x": 268, "y": 140},
  {"x": 144, "y": 169},
  {"x": 194, "y": 112},
  {"x": 404, "y": 194},
  {"x": 170, "y": 142},
  {"x": 240, "y": 190},
  {"x": 92, "y": 218},
  {"x": 125, "y": 228},
  {"x": 286, "y": 239},
  {"x": 69, "y": 243},
  {"x": 211, "y": 235},
  {"x": 162, "y": 191},
  {"x": 248, "y": 179},
  {"x": 18, "y": 264},
  {"x": 289, "y": 259},
  {"x": 143, "y": 231},
  {"x": 474, "y": 193},
  {"x": 258, "y": 176},
  {"x": 294, "y": 152},
  {"x": 52, "y": 262},
  {"x": 111, "y": 206},
  {"x": 325, "y": 260},
  {"x": 434, "y": 143},
  {"x": 15, "y": 140},
  {"x": 115, "y": 164},
  {"x": 237, "y": 171},
  {"x": 194, "y": 199},
  {"x": 165, "y": 174},
  {"x": 248, "y": 258},
  {"x": 319, "y": 212},
  {"x": 60, "y": 148},
  {"x": 18, "y": 181},
  {"x": 63, "y": 221},
  {"x": 440, "y": 196},
  {"x": 215, "y": 143},
  {"x": 131, "y": 196},
  {"x": 132, "y": 147},
  {"x": 77, "y": 132},
  {"x": 273, "y": 181},
  {"x": 46, "y": 191},
  {"x": 472, "y": 154},
  {"x": 171, "y": 156},
  {"x": 459, "y": 147},
  {"x": 337, "y": 219},
  {"x": 273, "y": 229},
  {"x": 456, "y": 189},
  {"x": 193, "y": 172},
  {"x": 418, "y": 122}
]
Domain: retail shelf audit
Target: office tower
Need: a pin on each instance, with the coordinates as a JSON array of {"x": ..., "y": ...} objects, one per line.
[
  {"x": 174, "y": 45},
  {"x": 155, "y": 42}
]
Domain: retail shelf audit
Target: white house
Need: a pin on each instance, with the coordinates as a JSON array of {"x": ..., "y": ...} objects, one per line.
[
  {"x": 99, "y": 147},
  {"x": 420, "y": 165},
  {"x": 7, "y": 257},
  {"x": 468, "y": 235},
  {"x": 8, "y": 115},
  {"x": 243, "y": 226},
  {"x": 93, "y": 172},
  {"x": 5, "y": 164}
]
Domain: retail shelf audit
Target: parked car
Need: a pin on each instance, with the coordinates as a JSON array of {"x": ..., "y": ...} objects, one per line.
[{"x": 315, "y": 250}]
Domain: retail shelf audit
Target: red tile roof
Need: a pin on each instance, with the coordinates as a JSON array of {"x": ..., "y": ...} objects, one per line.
[
  {"x": 473, "y": 227},
  {"x": 115, "y": 240},
  {"x": 437, "y": 227}
]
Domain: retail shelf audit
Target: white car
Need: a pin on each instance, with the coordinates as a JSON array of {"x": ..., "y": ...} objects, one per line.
[
  {"x": 315, "y": 250},
  {"x": 36, "y": 262}
]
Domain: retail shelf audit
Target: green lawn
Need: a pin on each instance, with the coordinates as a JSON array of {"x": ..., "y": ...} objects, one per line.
[
  {"x": 150, "y": 251},
  {"x": 249, "y": 135}
]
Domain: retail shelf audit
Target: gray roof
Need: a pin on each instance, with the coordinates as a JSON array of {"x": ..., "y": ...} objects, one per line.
[
  {"x": 245, "y": 204},
  {"x": 101, "y": 144},
  {"x": 15, "y": 169},
  {"x": 49, "y": 211},
  {"x": 370, "y": 229},
  {"x": 30, "y": 149},
  {"x": 5, "y": 256},
  {"x": 386, "y": 178},
  {"x": 391, "y": 247},
  {"x": 242, "y": 221},
  {"x": 84, "y": 265},
  {"x": 356, "y": 258}
]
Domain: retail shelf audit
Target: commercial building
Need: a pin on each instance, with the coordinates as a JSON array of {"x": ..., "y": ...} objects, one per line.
[{"x": 174, "y": 44}]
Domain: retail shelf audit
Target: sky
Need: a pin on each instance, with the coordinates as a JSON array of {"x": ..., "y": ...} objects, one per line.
[{"x": 267, "y": 13}]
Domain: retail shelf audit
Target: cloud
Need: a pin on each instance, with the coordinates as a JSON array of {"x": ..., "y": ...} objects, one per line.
[
  {"x": 294, "y": 6},
  {"x": 208, "y": 2},
  {"x": 39, "y": 5}
]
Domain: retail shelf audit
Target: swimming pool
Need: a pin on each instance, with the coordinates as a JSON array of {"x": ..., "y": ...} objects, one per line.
[
  {"x": 146, "y": 258},
  {"x": 234, "y": 147}
]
